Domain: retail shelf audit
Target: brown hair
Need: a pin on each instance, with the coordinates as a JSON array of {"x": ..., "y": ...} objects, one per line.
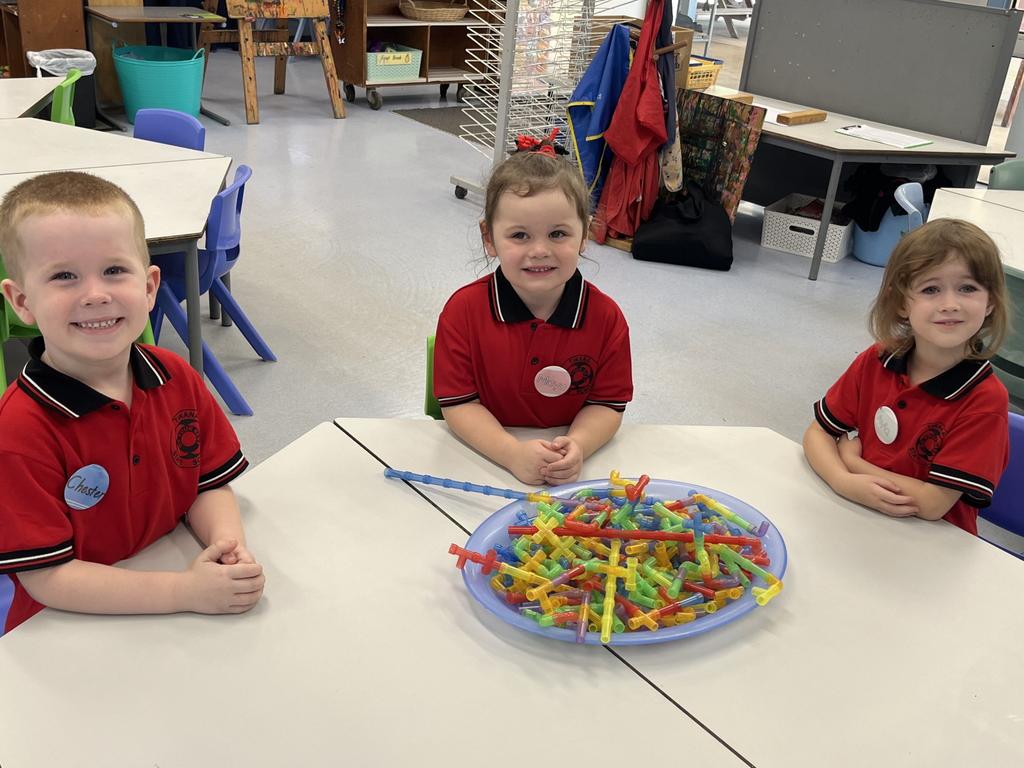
[
  {"x": 67, "y": 191},
  {"x": 928, "y": 247},
  {"x": 526, "y": 173}
]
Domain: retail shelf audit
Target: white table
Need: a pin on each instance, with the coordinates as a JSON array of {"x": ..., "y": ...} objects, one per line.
[
  {"x": 338, "y": 665},
  {"x": 911, "y": 662},
  {"x": 172, "y": 186},
  {"x": 821, "y": 140},
  {"x": 999, "y": 212},
  {"x": 24, "y": 96},
  {"x": 36, "y": 146}
]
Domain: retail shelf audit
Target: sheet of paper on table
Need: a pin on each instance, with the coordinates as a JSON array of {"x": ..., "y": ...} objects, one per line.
[{"x": 880, "y": 136}]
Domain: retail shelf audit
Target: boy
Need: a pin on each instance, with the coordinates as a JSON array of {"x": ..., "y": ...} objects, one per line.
[{"x": 105, "y": 444}]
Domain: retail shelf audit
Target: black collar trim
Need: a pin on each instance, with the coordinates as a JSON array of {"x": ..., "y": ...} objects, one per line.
[
  {"x": 949, "y": 385},
  {"x": 70, "y": 397},
  {"x": 507, "y": 307}
]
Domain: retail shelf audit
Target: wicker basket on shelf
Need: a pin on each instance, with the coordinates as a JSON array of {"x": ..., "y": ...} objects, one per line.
[{"x": 429, "y": 10}]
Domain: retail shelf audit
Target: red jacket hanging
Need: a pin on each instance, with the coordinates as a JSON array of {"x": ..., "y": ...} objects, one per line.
[{"x": 636, "y": 133}]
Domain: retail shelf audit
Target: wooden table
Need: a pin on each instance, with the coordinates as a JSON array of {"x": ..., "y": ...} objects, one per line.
[
  {"x": 821, "y": 140},
  {"x": 25, "y": 96},
  {"x": 173, "y": 187},
  {"x": 894, "y": 642},
  {"x": 115, "y": 15},
  {"x": 340, "y": 664}
]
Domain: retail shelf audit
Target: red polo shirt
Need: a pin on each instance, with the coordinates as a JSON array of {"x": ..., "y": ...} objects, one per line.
[
  {"x": 172, "y": 444},
  {"x": 953, "y": 429},
  {"x": 489, "y": 347}
]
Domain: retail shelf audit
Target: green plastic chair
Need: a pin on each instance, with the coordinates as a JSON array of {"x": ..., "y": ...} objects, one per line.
[
  {"x": 63, "y": 95},
  {"x": 430, "y": 405},
  {"x": 1008, "y": 175}
]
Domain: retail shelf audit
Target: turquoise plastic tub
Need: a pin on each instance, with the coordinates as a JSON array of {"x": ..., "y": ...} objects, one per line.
[{"x": 152, "y": 76}]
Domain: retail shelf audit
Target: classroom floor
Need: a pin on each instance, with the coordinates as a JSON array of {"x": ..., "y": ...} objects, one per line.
[{"x": 353, "y": 240}]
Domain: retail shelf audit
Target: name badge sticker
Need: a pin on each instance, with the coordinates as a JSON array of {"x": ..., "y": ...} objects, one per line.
[
  {"x": 552, "y": 381},
  {"x": 86, "y": 487},
  {"x": 887, "y": 426}
]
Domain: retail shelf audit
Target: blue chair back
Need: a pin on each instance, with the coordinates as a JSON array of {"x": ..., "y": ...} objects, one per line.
[
  {"x": 224, "y": 225},
  {"x": 910, "y": 196},
  {"x": 169, "y": 126},
  {"x": 1007, "y": 508}
]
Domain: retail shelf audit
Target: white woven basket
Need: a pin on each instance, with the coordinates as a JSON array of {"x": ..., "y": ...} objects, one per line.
[{"x": 796, "y": 234}]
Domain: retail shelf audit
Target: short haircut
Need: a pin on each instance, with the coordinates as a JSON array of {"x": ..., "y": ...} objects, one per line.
[
  {"x": 526, "y": 173},
  {"x": 64, "y": 191},
  {"x": 928, "y": 247}
]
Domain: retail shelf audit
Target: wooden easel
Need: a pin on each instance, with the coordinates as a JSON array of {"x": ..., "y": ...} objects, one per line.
[{"x": 252, "y": 43}]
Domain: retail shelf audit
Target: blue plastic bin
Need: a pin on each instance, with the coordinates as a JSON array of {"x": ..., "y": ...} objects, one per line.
[
  {"x": 154, "y": 76},
  {"x": 875, "y": 247}
]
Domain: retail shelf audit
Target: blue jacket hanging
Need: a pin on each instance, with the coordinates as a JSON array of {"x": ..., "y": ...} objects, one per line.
[{"x": 592, "y": 105}]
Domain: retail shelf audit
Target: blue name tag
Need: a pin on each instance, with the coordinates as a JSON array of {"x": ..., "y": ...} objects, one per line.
[{"x": 86, "y": 487}]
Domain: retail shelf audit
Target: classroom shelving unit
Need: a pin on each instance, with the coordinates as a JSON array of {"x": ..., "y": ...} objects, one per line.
[
  {"x": 528, "y": 56},
  {"x": 361, "y": 23}
]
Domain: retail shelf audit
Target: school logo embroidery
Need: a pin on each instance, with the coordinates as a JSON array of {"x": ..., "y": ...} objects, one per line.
[
  {"x": 928, "y": 444},
  {"x": 581, "y": 369},
  {"x": 185, "y": 439}
]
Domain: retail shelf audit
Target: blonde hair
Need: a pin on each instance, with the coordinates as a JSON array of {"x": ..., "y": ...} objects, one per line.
[
  {"x": 64, "y": 191},
  {"x": 928, "y": 247},
  {"x": 526, "y": 173}
]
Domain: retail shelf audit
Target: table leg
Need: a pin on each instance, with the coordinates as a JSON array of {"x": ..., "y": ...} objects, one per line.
[
  {"x": 192, "y": 310},
  {"x": 213, "y": 115},
  {"x": 206, "y": 63},
  {"x": 826, "y": 217},
  {"x": 102, "y": 116},
  {"x": 246, "y": 48}
]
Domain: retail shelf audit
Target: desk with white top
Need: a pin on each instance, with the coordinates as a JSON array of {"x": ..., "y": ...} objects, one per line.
[
  {"x": 37, "y": 146},
  {"x": 172, "y": 186},
  {"x": 894, "y": 642},
  {"x": 821, "y": 140},
  {"x": 366, "y": 650},
  {"x": 24, "y": 96},
  {"x": 1000, "y": 212}
]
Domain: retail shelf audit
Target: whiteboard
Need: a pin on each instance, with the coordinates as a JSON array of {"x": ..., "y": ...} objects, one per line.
[{"x": 926, "y": 65}]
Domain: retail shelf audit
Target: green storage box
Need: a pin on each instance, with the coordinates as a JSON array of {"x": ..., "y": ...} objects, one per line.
[{"x": 398, "y": 63}]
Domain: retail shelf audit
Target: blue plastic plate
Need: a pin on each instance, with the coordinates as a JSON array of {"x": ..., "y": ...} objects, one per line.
[{"x": 494, "y": 530}]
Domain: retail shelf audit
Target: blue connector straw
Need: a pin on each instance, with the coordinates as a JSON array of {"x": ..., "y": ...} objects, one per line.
[{"x": 459, "y": 485}]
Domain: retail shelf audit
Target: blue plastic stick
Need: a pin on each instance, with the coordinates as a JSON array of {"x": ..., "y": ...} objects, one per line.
[{"x": 460, "y": 485}]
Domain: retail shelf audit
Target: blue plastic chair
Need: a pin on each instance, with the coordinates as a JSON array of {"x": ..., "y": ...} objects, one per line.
[
  {"x": 910, "y": 196},
  {"x": 6, "y": 596},
  {"x": 1007, "y": 508},
  {"x": 169, "y": 126},
  {"x": 223, "y": 233}
]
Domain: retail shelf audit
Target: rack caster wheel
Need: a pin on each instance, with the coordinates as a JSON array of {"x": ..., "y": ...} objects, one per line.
[
  {"x": 460, "y": 93},
  {"x": 444, "y": 90},
  {"x": 350, "y": 92},
  {"x": 461, "y": 192},
  {"x": 374, "y": 99}
]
